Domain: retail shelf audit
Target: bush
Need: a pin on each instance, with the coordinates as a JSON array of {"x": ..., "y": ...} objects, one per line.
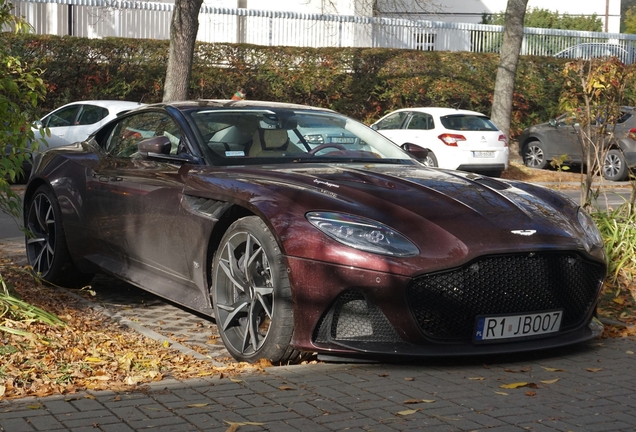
[{"x": 364, "y": 83}]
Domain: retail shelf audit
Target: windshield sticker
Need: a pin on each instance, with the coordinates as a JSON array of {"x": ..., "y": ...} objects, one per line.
[{"x": 235, "y": 153}]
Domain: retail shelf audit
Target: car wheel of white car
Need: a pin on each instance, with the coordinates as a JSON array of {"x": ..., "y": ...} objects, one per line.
[
  {"x": 534, "y": 155},
  {"x": 252, "y": 294},
  {"x": 430, "y": 160},
  {"x": 614, "y": 166}
]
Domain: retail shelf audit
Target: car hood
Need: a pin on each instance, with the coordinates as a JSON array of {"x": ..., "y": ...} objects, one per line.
[{"x": 447, "y": 214}]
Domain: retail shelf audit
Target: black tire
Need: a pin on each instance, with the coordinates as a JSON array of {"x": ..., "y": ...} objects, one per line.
[
  {"x": 534, "y": 155},
  {"x": 430, "y": 160},
  {"x": 253, "y": 303},
  {"x": 46, "y": 251},
  {"x": 614, "y": 166}
]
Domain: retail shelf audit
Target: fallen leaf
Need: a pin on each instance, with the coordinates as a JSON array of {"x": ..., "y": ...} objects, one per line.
[
  {"x": 619, "y": 301},
  {"x": 416, "y": 401},
  {"x": 166, "y": 344},
  {"x": 594, "y": 369},
  {"x": 201, "y": 405},
  {"x": 501, "y": 393},
  {"x": 408, "y": 412},
  {"x": 477, "y": 378},
  {"x": 552, "y": 381},
  {"x": 409, "y": 379},
  {"x": 236, "y": 380},
  {"x": 531, "y": 393},
  {"x": 286, "y": 387},
  {"x": 550, "y": 369},
  {"x": 93, "y": 359},
  {"x": 384, "y": 375},
  {"x": 629, "y": 352},
  {"x": 2, "y": 390},
  {"x": 513, "y": 385}
]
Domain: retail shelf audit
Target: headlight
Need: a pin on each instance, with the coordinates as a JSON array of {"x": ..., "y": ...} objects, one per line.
[
  {"x": 589, "y": 227},
  {"x": 363, "y": 234}
]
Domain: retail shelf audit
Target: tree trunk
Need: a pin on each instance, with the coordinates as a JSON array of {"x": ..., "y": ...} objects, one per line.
[
  {"x": 507, "y": 69},
  {"x": 183, "y": 34}
]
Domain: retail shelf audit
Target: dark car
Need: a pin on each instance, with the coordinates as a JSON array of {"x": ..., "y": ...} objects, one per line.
[
  {"x": 541, "y": 143},
  {"x": 350, "y": 248}
]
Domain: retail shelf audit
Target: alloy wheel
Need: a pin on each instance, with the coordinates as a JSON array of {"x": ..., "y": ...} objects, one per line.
[
  {"x": 244, "y": 293},
  {"x": 41, "y": 222}
]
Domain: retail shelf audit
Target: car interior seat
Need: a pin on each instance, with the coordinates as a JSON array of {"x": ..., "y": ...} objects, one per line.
[{"x": 271, "y": 143}]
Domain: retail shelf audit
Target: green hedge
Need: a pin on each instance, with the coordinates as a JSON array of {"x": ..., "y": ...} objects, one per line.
[{"x": 364, "y": 83}]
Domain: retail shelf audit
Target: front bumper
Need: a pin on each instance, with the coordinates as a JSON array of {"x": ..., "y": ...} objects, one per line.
[{"x": 345, "y": 311}]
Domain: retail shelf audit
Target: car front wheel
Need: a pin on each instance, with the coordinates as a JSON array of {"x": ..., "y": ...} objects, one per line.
[
  {"x": 534, "y": 155},
  {"x": 252, "y": 294},
  {"x": 614, "y": 166},
  {"x": 46, "y": 247}
]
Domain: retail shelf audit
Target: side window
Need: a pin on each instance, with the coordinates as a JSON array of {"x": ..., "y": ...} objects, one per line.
[
  {"x": 129, "y": 132},
  {"x": 62, "y": 117},
  {"x": 421, "y": 121},
  {"x": 91, "y": 114},
  {"x": 394, "y": 121}
]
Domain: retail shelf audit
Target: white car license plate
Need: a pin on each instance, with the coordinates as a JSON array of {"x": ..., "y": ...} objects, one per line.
[
  {"x": 514, "y": 326},
  {"x": 340, "y": 140},
  {"x": 483, "y": 154}
]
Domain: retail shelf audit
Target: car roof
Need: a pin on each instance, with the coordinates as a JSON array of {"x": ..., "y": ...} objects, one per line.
[
  {"x": 241, "y": 104},
  {"x": 441, "y": 111},
  {"x": 107, "y": 104}
]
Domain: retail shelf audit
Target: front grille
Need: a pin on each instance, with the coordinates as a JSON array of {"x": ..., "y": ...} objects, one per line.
[
  {"x": 446, "y": 304},
  {"x": 353, "y": 318}
]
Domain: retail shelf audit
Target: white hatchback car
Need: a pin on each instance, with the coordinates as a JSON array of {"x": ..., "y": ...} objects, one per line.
[
  {"x": 75, "y": 121},
  {"x": 455, "y": 139}
]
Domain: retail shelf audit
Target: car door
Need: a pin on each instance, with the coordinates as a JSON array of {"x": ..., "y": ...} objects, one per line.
[
  {"x": 88, "y": 120},
  {"x": 135, "y": 200},
  {"x": 391, "y": 126},
  {"x": 564, "y": 140},
  {"x": 59, "y": 122}
]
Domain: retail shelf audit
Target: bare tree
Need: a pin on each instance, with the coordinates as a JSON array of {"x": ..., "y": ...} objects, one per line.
[
  {"x": 183, "y": 35},
  {"x": 508, "y": 60}
]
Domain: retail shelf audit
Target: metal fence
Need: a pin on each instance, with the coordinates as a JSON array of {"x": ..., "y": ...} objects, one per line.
[{"x": 103, "y": 18}]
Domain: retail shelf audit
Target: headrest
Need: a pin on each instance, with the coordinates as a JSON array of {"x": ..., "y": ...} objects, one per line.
[{"x": 274, "y": 138}]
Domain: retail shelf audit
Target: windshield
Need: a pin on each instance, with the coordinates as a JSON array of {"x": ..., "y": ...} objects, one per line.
[{"x": 232, "y": 137}]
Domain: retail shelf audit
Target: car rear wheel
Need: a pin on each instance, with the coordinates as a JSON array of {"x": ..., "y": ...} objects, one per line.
[
  {"x": 46, "y": 248},
  {"x": 614, "y": 166},
  {"x": 430, "y": 160},
  {"x": 534, "y": 155},
  {"x": 252, "y": 294}
]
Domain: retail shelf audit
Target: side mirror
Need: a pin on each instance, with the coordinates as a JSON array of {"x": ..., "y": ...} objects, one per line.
[
  {"x": 374, "y": 127},
  {"x": 158, "y": 144},
  {"x": 553, "y": 122},
  {"x": 417, "y": 151}
]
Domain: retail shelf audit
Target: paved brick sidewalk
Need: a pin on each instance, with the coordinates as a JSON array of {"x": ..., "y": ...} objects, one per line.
[
  {"x": 587, "y": 388},
  {"x": 590, "y": 387}
]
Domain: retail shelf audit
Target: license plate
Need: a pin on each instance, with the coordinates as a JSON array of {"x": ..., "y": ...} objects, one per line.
[
  {"x": 515, "y": 326},
  {"x": 483, "y": 154},
  {"x": 340, "y": 140}
]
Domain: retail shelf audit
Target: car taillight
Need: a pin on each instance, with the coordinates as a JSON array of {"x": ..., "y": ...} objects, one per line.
[
  {"x": 503, "y": 139},
  {"x": 632, "y": 134},
  {"x": 451, "y": 139}
]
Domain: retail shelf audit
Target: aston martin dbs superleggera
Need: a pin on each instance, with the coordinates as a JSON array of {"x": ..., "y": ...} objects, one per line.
[{"x": 344, "y": 245}]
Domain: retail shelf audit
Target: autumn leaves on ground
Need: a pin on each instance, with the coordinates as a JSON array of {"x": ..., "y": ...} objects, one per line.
[{"x": 90, "y": 351}]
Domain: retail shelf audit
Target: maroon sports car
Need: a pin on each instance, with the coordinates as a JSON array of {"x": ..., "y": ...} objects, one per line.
[{"x": 301, "y": 230}]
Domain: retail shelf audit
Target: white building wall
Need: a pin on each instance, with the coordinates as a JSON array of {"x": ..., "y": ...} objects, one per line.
[{"x": 609, "y": 11}]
